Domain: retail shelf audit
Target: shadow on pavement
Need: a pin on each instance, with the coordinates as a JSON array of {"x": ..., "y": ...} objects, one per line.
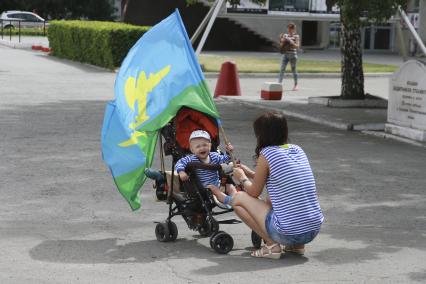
[{"x": 110, "y": 251}]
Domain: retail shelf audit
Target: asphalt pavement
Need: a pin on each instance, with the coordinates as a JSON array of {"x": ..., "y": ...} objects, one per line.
[{"x": 63, "y": 221}]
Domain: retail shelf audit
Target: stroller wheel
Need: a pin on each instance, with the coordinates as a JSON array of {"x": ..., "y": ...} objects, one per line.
[
  {"x": 212, "y": 238},
  {"x": 256, "y": 240},
  {"x": 173, "y": 231},
  {"x": 162, "y": 232},
  {"x": 209, "y": 226},
  {"x": 222, "y": 242}
]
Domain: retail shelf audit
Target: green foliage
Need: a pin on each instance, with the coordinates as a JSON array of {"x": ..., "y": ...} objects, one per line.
[
  {"x": 103, "y": 44},
  {"x": 374, "y": 10}
]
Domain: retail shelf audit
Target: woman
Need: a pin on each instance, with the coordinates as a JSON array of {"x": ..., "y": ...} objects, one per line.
[
  {"x": 289, "y": 43},
  {"x": 291, "y": 216}
]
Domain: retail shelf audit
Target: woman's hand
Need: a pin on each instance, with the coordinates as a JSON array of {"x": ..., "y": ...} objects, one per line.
[
  {"x": 239, "y": 174},
  {"x": 249, "y": 173}
]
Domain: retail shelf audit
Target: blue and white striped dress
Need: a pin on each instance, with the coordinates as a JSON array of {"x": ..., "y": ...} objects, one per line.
[
  {"x": 206, "y": 177},
  {"x": 291, "y": 188}
]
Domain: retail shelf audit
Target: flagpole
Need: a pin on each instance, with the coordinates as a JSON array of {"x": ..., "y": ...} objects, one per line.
[
  {"x": 203, "y": 23},
  {"x": 209, "y": 27},
  {"x": 222, "y": 131}
]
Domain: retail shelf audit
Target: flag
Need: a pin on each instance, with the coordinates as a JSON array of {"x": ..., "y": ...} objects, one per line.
[{"x": 159, "y": 75}]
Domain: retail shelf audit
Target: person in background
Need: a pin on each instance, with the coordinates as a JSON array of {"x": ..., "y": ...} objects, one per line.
[{"x": 289, "y": 43}]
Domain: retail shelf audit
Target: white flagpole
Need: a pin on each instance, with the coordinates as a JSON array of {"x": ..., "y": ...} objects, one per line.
[{"x": 209, "y": 27}]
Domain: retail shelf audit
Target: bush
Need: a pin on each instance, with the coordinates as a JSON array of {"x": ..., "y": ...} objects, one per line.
[{"x": 103, "y": 44}]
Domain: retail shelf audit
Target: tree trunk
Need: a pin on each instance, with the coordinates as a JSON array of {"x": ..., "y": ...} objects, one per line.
[{"x": 352, "y": 71}]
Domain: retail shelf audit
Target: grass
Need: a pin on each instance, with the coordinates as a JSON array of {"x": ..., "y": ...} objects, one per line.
[
  {"x": 25, "y": 31},
  {"x": 212, "y": 63}
]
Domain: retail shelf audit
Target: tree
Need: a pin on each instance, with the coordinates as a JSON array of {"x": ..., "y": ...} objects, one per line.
[{"x": 352, "y": 15}]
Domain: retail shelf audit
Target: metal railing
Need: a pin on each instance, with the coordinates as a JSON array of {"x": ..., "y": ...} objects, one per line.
[{"x": 9, "y": 26}]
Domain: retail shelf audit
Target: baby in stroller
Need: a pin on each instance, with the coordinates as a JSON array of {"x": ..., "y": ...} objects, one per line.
[
  {"x": 200, "y": 145},
  {"x": 195, "y": 165}
]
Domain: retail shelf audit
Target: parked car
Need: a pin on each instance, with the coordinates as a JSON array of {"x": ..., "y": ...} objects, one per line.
[{"x": 11, "y": 19}]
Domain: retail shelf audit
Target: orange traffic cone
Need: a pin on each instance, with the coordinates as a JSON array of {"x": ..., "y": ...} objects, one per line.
[{"x": 228, "y": 83}]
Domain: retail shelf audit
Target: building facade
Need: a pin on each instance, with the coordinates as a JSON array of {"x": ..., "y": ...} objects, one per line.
[{"x": 318, "y": 23}]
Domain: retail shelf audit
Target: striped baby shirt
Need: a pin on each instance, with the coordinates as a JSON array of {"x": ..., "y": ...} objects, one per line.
[
  {"x": 291, "y": 188},
  {"x": 206, "y": 177}
]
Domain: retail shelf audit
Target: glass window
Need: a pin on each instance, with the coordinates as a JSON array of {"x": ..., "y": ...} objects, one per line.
[
  {"x": 15, "y": 16},
  {"x": 32, "y": 18},
  {"x": 335, "y": 31}
]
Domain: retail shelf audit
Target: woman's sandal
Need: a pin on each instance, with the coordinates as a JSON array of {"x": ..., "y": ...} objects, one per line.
[
  {"x": 266, "y": 252},
  {"x": 290, "y": 248}
]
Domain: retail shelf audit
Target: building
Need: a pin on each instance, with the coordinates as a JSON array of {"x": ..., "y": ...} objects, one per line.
[
  {"x": 250, "y": 26},
  {"x": 318, "y": 23}
]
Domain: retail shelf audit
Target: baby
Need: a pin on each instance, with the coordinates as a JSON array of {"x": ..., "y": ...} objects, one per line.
[{"x": 200, "y": 145}]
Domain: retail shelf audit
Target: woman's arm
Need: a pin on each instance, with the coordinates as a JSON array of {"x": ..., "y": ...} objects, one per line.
[
  {"x": 254, "y": 188},
  {"x": 296, "y": 42},
  {"x": 249, "y": 172}
]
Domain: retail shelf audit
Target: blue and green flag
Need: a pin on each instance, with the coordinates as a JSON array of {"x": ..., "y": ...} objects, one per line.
[{"x": 159, "y": 75}]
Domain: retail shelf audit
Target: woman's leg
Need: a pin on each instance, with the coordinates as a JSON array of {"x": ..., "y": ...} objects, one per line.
[
  {"x": 250, "y": 222},
  {"x": 284, "y": 62},
  {"x": 253, "y": 212},
  {"x": 293, "y": 64}
]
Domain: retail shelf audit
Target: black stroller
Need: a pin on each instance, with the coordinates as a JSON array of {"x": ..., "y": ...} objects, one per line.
[{"x": 190, "y": 199}]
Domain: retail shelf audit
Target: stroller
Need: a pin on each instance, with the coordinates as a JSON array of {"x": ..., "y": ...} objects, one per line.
[{"x": 190, "y": 199}]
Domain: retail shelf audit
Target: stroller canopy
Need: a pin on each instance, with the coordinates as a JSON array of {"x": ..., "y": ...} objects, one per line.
[{"x": 188, "y": 120}]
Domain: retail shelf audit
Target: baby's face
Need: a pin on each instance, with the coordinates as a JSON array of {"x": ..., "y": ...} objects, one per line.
[{"x": 200, "y": 147}]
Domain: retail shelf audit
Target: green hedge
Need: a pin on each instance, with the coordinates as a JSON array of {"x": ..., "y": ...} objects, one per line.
[{"x": 103, "y": 44}]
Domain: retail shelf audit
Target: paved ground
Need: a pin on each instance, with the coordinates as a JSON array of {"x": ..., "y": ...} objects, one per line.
[{"x": 62, "y": 220}]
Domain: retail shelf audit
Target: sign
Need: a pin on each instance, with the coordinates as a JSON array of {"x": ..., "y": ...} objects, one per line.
[{"x": 407, "y": 100}]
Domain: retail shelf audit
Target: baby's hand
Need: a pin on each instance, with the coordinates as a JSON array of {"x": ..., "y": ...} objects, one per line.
[
  {"x": 229, "y": 147},
  {"x": 183, "y": 176}
]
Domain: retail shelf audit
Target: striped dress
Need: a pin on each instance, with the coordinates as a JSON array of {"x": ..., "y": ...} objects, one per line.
[
  {"x": 206, "y": 177},
  {"x": 291, "y": 188}
]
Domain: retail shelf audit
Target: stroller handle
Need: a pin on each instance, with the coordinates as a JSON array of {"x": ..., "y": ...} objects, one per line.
[{"x": 196, "y": 165}]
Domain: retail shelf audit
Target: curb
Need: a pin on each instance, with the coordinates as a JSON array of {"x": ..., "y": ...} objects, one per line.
[
  {"x": 214, "y": 75},
  {"x": 14, "y": 44},
  {"x": 374, "y": 129},
  {"x": 321, "y": 121},
  {"x": 338, "y": 125},
  {"x": 385, "y": 135},
  {"x": 338, "y": 103}
]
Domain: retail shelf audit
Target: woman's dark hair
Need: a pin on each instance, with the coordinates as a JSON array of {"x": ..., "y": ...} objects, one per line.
[{"x": 270, "y": 130}]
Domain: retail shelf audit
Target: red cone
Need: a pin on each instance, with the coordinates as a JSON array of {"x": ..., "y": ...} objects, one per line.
[{"x": 228, "y": 83}]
